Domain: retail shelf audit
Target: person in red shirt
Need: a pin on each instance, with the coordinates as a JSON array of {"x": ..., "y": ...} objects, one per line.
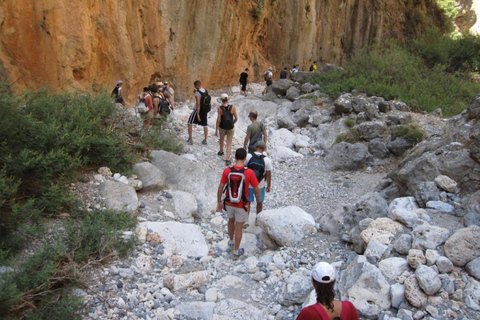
[
  {"x": 237, "y": 212},
  {"x": 326, "y": 308}
]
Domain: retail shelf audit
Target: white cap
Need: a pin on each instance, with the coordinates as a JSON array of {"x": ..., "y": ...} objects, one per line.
[
  {"x": 323, "y": 272},
  {"x": 119, "y": 81},
  {"x": 224, "y": 96}
]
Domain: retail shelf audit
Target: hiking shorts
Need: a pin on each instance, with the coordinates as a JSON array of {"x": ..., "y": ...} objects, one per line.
[
  {"x": 251, "y": 194},
  {"x": 244, "y": 87},
  {"x": 269, "y": 82},
  {"x": 239, "y": 214},
  {"x": 225, "y": 132},
  {"x": 194, "y": 120},
  {"x": 147, "y": 116}
]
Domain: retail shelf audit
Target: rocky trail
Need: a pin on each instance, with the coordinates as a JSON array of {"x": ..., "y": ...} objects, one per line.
[{"x": 182, "y": 267}]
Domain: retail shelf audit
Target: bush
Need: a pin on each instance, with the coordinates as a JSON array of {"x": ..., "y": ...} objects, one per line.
[
  {"x": 352, "y": 136},
  {"x": 411, "y": 132},
  {"x": 349, "y": 122},
  {"x": 393, "y": 72}
]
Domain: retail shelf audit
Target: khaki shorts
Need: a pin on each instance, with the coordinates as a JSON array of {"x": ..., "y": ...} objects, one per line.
[
  {"x": 228, "y": 133},
  {"x": 239, "y": 214},
  {"x": 148, "y": 115}
]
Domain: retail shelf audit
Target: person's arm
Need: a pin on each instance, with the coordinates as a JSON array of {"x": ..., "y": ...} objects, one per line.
[
  {"x": 235, "y": 115},
  {"x": 257, "y": 192},
  {"x": 268, "y": 178},
  {"x": 245, "y": 142},
  {"x": 219, "y": 116},
  {"x": 197, "y": 99},
  {"x": 219, "y": 197},
  {"x": 264, "y": 134},
  {"x": 155, "y": 106}
]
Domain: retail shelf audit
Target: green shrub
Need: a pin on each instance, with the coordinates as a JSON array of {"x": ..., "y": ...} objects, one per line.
[
  {"x": 411, "y": 132},
  {"x": 393, "y": 72},
  {"x": 349, "y": 122},
  {"x": 352, "y": 136}
]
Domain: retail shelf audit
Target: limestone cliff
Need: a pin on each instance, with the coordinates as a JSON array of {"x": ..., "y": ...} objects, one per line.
[{"x": 88, "y": 44}]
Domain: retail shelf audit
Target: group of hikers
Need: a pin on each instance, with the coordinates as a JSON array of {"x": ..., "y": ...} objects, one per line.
[{"x": 247, "y": 180}]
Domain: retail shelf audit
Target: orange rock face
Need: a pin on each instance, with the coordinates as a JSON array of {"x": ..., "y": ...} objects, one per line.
[{"x": 87, "y": 45}]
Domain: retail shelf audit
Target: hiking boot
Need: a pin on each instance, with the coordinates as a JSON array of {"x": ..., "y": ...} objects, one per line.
[
  {"x": 230, "y": 244},
  {"x": 204, "y": 142},
  {"x": 190, "y": 142},
  {"x": 220, "y": 153},
  {"x": 239, "y": 253}
]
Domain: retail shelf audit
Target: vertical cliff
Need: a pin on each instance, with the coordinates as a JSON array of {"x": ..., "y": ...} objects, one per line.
[{"x": 88, "y": 44}]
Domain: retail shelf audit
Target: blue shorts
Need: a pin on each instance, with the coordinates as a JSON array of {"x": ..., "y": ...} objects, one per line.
[{"x": 251, "y": 194}]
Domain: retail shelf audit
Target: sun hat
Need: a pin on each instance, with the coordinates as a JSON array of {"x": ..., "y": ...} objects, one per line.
[
  {"x": 224, "y": 96},
  {"x": 323, "y": 272},
  {"x": 270, "y": 69},
  {"x": 165, "y": 83},
  {"x": 119, "y": 81}
]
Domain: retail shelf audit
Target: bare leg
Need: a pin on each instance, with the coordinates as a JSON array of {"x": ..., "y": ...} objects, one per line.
[
  {"x": 238, "y": 234},
  {"x": 231, "y": 228},
  {"x": 205, "y": 132},
  {"x": 259, "y": 207},
  {"x": 222, "y": 141},
  {"x": 190, "y": 129},
  {"x": 229, "y": 147}
]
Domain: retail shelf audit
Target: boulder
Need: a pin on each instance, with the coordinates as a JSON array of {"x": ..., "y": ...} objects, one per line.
[
  {"x": 370, "y": 205},
  {"x": 186, "y": 281},
  {"x": 473, "y": 268},
  {"x": 301, "y": 103},
  {"x": 440, "y": 207},
  {"x": 343, "y": 104},
  {"x": 297, "y": 289},
  {"x": 393, "y": 267},
  {"x": 378, "y": 149},
  {"x": 473, "y": 110},
  {"x": 119, "y": 196},
  {"x": 376, "y": 251},
  {"x": 365, "y": 286},
  {"x": 399, "y": 118},
  {"x": 384, "y": 107},
  {"x": 371, "y": 130},
  {"x": 186, "y": 206},
  {"x": 185, "y": 240},
  {"x": 403, "y": 210},
  {"x": 237, "y": 310},
  {"x": 428, "y": 279},
  {"x": 307, "y": 88},
  {"x": 431, "y": 256},
  {"x": 152, "y": 178},
  {"x": 463, "y": 246},
  {"x": 444, "y": 265},
  {"x": 382, "y": 230},
  {"x": 281, "y": 86},
  {"x": 282, "y": 154},
  {"x": 428, "y": 236},
  {"x": 327, "y": 133},
  {"x": 265, "y": 109},
  {"x": 398, "y": 146},
  {"x": 403, "y": 244},
  {"x": 416, "y": 258},
  {"x": 293, "y": 93},
  {"x": 196, "y": 310},
  {"x": 282, "y": 138},
  {"x": 413, "y": 293},
  {"x": 446, "y": 183},
  {"x": 346, "y": 156},
  {"x": 185, "y": 175},
  {"x": 425, "y": 192},
  {"x": 286, "y": 226}
]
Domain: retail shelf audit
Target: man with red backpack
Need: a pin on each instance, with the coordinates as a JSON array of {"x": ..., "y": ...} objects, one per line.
[{"x": 234, "y": 184}]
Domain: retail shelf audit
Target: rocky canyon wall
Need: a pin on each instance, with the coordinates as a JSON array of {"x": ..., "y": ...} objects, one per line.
[{"x": 88, "y": 44}]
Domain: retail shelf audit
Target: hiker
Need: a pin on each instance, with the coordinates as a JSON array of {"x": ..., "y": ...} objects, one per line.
[
  {"x": 243, "y": 81},
  {"x": 284, "y": 74},
  {"x": 166, "y": 96},
  {"x": 262, "y": 167},
  {"x": 226, "y": 119},
  {"x": 294, "y": 70},
  {"x": 323, "y": 279},
  {"x": 148, "y": 117},
  {"x": 256, "y": 131},
  {"x": 117, "y": 93},
  {"x": 199, "y": 115},
  {"x": 313, "y": 67},
  {"x": 169, "y": 89},
  {"x": 268, "y": 76},
  {"x": 236, "y": 204}
]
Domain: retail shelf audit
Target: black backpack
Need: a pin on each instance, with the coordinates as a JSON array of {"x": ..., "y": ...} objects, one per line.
[
  {"x": 226, "y": 121},
  {"x": 311, "y": 68},
  {"x": 257, "y": 164},
  {"x": 205, "y": 102},
  {"x": 163, "y": 105},
  {"x": 268, "y": 76}
]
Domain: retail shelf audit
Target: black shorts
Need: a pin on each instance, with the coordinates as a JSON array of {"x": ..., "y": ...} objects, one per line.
[
  {"x": 194, "y": 120},
  {"x": 269, "y": 82},
  {"x": 244, "y": 87}
]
